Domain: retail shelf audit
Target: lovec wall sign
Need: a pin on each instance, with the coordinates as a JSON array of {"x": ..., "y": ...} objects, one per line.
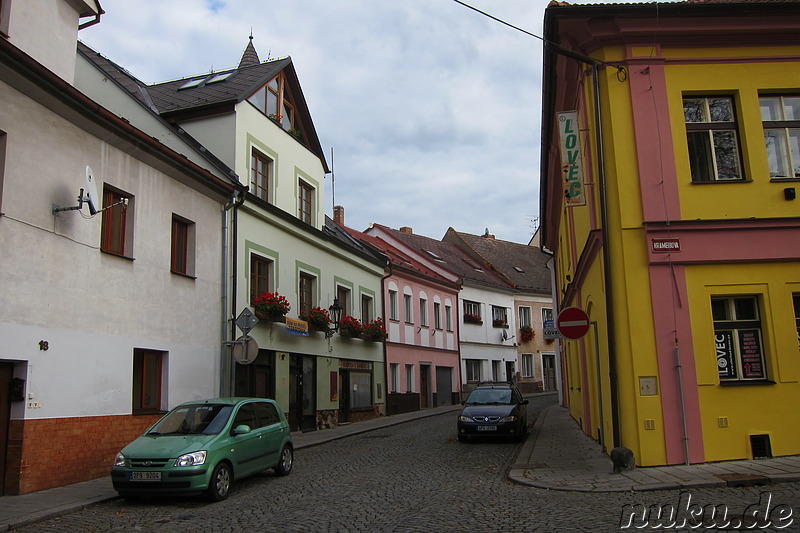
[{"x": 571, "y": 167}]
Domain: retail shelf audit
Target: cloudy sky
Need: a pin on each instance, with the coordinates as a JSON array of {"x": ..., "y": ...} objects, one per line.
[{"x": 431, "y": 110}]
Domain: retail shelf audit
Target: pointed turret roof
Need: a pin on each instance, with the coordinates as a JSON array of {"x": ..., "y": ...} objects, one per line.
[{"x": 250, "y": 56}]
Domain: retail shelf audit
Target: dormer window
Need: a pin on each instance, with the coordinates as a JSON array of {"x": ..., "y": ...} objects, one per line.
[{"x": 275, "y": 101}]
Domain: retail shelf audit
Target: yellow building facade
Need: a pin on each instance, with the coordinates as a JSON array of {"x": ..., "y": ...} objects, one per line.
[{"x": 670, "y": 166}]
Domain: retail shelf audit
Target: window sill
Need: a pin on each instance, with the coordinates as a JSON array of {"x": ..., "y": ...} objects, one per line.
[
  {"x": 717, "y": 182},
  {"x": 784, "y": 180},
  {"x": 181, "y": 274},
  {"x": 745, "y": 383},
  {"x": 117, "y": 255}
]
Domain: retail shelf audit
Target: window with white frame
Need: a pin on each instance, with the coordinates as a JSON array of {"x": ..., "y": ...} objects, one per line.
[
  {"x": 409, "y": 378},
  {"x": 781, "y": 119},
  {"x": 394, "y": 313},
  {"x": 547, "y": 317},
  {"x": 738, "y": 338},
  {"x": 524, "y": 316},
  {"x": 448, "y": 318},
  {"x": 499, "y": 317},
  {"x": 409, "y": 313},
  {"x": 423, "y": 312},
  {"x": 527, "y": 365},
  {"x": 472, "y": 312},
  {"x": 437, "y": 315},
  {"x": 473, "y": 367},
  {"x": 712, "y": 136}
]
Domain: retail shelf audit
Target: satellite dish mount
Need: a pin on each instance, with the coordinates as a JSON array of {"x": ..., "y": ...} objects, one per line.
[{"x": 87, "y": 194}]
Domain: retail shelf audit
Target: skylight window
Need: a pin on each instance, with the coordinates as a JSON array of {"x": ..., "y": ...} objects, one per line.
[
  {"x": 475, "y": 267},
  {"x": 191, "y": 83},
  {"x": 518, "y": 269},
  {"x": 434, "y": 255},
  {"x": 221, "y": 77}
]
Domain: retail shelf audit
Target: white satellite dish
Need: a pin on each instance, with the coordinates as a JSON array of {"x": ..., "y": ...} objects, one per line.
[{"x": 90, "y": 192}]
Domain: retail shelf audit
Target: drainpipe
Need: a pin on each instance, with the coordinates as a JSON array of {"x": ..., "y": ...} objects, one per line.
[
  {"x": 228, "y": 335},
  {"x": 612, "y": 338},
  {"x": 601, "y": 179},
  {"x": 386, "y": 323}
]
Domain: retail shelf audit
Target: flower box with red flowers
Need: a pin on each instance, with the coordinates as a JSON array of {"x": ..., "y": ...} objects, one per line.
[
  {"x": 271, "y": 306},
  {"x": 472, "y": 319},
  {"x": 318, "y": 319},
  {"x": 374, "y": 331},
  {"x": 350, "y": 327}
]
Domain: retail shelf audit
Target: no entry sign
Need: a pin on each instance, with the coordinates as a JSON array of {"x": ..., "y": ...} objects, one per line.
[{"x": 573, "y": 323}]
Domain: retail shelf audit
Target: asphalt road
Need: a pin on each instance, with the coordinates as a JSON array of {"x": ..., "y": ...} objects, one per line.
[{"x": 412, "y": 477}]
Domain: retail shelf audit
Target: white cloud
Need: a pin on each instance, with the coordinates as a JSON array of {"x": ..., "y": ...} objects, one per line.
[{"x": 432, "y": 109}]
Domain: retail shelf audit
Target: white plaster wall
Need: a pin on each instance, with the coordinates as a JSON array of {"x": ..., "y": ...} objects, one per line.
[
  {"x": 46, "y": 30},
  {"x": 94, "y": 308}
]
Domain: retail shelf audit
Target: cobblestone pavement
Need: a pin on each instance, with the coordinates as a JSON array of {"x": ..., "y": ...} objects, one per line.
[{"x": 413, "y": 477}]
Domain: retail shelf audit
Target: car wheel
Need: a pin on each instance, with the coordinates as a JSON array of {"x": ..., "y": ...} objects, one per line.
[
  {"x": 286, "y": 461},
  {"x": 221, "y": 481}
]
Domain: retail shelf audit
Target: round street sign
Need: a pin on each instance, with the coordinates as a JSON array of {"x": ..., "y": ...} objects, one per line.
[{"x": 573, "y": 323}]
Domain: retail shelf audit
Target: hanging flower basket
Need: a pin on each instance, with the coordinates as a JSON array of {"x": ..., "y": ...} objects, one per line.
[
  {"x": 271, "y": 306},
  {"x": 374, "y": 331},
  {"x": 318, "y": 319},
  {"x": 350, "y": 327},
  {"x": 526, "y": 334}
]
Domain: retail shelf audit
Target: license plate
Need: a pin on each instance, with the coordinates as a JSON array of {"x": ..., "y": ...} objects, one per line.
[
  {"x": 487, "y": 428},
  {"x": 145, "y": 476}
]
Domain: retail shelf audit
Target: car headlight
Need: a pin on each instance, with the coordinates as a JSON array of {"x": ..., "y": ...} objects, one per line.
[
  {"x": 191, "y": 459},
  {"x": 464, "y": 419},
  {"x": 119, "y": 460},
  {"x": 511, "y": 418}
]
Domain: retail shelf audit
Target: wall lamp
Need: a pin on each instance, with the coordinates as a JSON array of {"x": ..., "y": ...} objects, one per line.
[{"x": 336, "y": 316}]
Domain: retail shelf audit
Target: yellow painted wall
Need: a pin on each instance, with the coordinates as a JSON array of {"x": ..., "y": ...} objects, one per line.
[{"x": 758, "y": 408}]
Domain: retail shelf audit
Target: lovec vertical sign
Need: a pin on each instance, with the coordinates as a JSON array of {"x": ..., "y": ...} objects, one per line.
[{"x": 571, "y": 167}]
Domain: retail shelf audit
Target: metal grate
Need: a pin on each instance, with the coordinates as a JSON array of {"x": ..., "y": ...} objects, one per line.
[{"x": 760, "y": 446}]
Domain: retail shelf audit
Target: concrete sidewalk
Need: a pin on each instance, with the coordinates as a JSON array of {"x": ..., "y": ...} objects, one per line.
[
  {"x": 559, "y": 456},
  {"x": 556, "y": 455}
]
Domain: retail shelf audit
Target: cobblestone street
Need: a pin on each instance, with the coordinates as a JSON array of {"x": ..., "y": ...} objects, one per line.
[{"x": 412, "y": 477}]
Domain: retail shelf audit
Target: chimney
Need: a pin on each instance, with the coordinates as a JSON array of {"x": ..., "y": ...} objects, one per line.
[
  {"x": 338, "y": 215},
  {"x": 487, "y": 235},
  {"x": 406, "y": 229}
]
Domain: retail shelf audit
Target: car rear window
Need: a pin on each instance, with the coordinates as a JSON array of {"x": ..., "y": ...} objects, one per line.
[{"x": 490, "y": 396}]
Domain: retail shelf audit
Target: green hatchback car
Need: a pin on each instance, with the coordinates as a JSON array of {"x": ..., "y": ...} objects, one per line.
[{"x": 203, "y": 446}]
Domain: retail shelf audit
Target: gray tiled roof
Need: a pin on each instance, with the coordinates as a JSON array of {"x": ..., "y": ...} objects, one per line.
[{"x": 524, "y": 266}]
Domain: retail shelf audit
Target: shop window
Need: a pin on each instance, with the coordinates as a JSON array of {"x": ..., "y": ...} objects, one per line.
[
  {"x": 738, "y": 338},
  {"x": 360, "y": 390},
  {"x": 713, "y": 139}
]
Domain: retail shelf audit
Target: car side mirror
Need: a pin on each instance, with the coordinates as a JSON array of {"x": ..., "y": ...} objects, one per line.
[{"x": 241, "y": 430}]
